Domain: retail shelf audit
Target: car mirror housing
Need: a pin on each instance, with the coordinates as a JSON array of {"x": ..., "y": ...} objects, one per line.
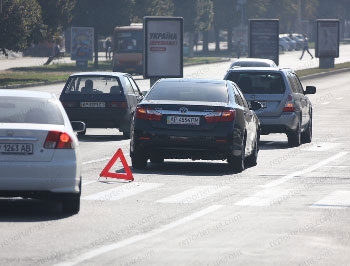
[
  {"x": 310, "y": 90},
  {"x": 255, "y": 105},
  {"x": 78, "y": 126}
]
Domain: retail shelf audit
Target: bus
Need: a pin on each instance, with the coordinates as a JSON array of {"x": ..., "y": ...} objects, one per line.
[{"x": 128, "y": 49}]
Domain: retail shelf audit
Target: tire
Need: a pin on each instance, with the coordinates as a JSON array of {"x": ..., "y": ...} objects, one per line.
[
  {"x": 252, "y": 160},
  {"x": 138, "y": 161},
  {"x": 306, "y": 136},
  {"x": 71, "y": 204},
  {"x": 237, "y": 163},
  {"x": 294, "y": 138}
]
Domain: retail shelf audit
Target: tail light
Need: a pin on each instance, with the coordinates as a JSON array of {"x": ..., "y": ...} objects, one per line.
[
  {"x": 289, "y": 106},
  {"x": 148, "y": 114},
  {"x": 117, "y": 104},
  {"x": 221, "y": 116},
  {"x": 58, "y": 140}
]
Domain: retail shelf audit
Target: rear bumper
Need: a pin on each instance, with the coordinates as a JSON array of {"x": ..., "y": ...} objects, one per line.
[
  {"x": 172, "y": 146},
  {"x": 23, "y": 178},
  {"x": 285, "y": 123}
]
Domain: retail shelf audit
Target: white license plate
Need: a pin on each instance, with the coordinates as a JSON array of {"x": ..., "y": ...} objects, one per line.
[
  {"x": 93, "y": 104},
  {"x": 183, "y": 120},
  {"x": 16, "y": 148}
]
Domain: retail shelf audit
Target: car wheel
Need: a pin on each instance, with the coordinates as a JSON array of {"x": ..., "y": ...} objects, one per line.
[
  {"x": 252, "y": 160},
  {"x": 294, "y": 138},
  {"x": 306, "y": 136},
  {"x": 138, "y": 161},
  {"x": 237, "y": 162},
  {"x": 71, "y": 204}
]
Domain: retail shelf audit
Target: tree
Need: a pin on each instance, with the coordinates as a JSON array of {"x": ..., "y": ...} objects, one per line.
[
  {"x": 21, "y": 24},
  {"x": 56, "y": 15},
  {"x": 204, "y": 20}
]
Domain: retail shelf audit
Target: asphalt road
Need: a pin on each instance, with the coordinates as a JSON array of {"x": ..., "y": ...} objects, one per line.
[{"x": 290, "y": 209}]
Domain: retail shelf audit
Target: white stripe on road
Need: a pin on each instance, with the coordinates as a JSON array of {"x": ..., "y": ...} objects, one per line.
[
  {"x": 305, "y": 171},
  {"x": 265, "y": 197},
  {"x": 339, "y": 199},
  {"x": 97, "y": 160},
  {"x": 122, "y": 192},
  {"x": 194, "y": 194},
  {"x": 323, "y": 146},
  {"x": 137, "y": 238},
  {"x": 88, "y": 182}
]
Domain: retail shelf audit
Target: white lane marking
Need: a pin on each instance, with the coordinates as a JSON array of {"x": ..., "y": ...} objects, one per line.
[
  {"x": 323, "y": 146},
  {"x": 339, "y": 98},
  {"x": 339, "y": 199},
  {"x": 265, "y": 197},
  {"x": 137, "y": 238},
  {"x": 122, "y": 192},
  {"x": 325, "y": 103},
  {"x": 88, "y": 182},
  {"x": 305, "y": 171},
  {"x": 193, "y": 195},
  {"x": 97, "y": 160}
]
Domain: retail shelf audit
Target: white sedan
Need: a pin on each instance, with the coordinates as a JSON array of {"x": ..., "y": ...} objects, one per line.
[{"x": 39, "y": 155}]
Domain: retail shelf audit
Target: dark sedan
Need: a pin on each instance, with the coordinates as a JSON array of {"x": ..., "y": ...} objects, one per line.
[
  {"x": 101, "y": 99},
  {"x": 195, "y": 119}
]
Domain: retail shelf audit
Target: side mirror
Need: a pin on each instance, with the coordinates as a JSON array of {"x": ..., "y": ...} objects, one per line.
[
  {"x": 310, "y": 90},
  {"x": 78, "y": 126},
  {"x": 255, "y": 105}
]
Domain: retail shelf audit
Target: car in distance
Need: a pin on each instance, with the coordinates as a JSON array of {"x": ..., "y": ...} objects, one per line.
[
  {"x": 101, "y": 99},
  {"x": 285, "y": 105},
  {"x": 253, "y": 62},
  {"x": 39, "y": 153},
  {"x": 182, "y": 118}
]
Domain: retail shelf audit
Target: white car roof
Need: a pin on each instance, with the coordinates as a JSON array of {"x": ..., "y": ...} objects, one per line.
[
  {"x": 99, "y": 73},
  {"x": 26, "y": 93}
]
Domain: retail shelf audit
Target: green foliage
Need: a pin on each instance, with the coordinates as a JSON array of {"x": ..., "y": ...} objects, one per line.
[
  {"x": 21, "y": 24},
  {"x": 205, "y": 15}
]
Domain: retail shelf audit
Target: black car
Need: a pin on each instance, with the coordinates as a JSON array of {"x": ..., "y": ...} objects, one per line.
[
  {"x": 101, "y": 99},
  {"x": 195, "y": 119}
]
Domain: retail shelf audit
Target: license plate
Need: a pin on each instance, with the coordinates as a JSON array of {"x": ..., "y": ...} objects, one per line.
[
  {"x": 183, "y": 120},
  {"x": 93, "y": 104},
  {"x": 16, "y": 148}
]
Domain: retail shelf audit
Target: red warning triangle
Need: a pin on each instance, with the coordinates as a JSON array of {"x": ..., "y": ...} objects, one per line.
[{"x": 126, "y": 176}]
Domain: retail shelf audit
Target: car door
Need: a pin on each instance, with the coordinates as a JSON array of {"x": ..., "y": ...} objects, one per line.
[
  {"x": 302, "y": 99},
  {"x": 249, "y": 120}
]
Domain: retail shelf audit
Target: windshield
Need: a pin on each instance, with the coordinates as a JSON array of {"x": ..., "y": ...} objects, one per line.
[
  {"x": 29, "y": 110},
  {"x": 189, "y": 91},
  {"x": 129, "y": 41},
  {"x": 258, "y": 82},
  {"x": 92, "y": 85}
]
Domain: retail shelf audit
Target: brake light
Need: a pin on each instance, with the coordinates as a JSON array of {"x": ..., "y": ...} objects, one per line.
[
  {"x": 221, "y": 116},
  {"x": 289, "y": 106},
  {"x": 148, "y": 114},
  {"x": 58, "y": 140}
]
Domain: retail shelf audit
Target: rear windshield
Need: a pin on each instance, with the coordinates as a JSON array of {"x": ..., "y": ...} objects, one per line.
[
  {"x": 258, "y": 82},
  {"x": 189, "y": 91},
  {"x": 92, "y": 85},
  {"x": 29, "y": 110}
]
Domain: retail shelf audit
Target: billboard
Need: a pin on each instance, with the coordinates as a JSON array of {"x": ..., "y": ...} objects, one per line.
[
  {"x": 264, "y": 39},
  {"x": 82, "y": 43},
  {"x": 327, "y": 40},
  {"x": 163, "y": 49}
]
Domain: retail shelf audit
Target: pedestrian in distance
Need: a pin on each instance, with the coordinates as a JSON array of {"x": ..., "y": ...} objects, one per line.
[
  {"x": 56, "y": 54},
  {"x": 108, "y": 48},
  {"x": 305, "y": 47}
]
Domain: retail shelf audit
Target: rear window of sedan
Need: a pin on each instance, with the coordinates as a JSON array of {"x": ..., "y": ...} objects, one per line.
[
  {"x": 29, "y": 110},
  {"x": 93, "y": 85},
  {"x": 258, "y": 82},
  {"x": 189, "y": 91}
]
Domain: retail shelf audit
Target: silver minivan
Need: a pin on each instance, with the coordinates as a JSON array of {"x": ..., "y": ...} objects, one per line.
[{"x": 285, "y": 105}]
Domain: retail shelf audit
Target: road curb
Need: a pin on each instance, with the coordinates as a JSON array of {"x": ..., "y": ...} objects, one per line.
[{"x": 325, "y": 74}]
